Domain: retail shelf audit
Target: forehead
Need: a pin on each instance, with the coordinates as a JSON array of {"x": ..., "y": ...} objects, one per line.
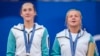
[
  {"x": 73, "y": 12},
  {"x": 27, "y": 5}
]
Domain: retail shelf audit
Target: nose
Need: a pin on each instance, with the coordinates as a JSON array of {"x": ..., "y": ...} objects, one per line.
[
  {"x": 73, "y": 17},
  {"x": 27, "y": 12}
]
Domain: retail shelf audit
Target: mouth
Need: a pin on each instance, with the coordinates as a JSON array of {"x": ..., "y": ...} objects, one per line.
[
  {"x": 73, "y": 21},
  {"x": 27, "y": 16}
]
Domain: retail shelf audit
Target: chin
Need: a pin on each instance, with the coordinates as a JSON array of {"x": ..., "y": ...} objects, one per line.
[
  {"x": 28, "y": 19},
  {"x": 73, "y": 25}
]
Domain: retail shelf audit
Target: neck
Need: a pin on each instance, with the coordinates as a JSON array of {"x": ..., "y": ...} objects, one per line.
[
  {"x": 74, "y": 29},
  {"x": 28, "y": 24}
]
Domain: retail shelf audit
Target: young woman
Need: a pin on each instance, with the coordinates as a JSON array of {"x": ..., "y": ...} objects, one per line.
[
  {"x": 73, "y": 41},
  {"x": 30, "y": 38}
]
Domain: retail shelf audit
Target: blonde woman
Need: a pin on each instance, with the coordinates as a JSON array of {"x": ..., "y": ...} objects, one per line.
[{"x": 73, "y": 41}]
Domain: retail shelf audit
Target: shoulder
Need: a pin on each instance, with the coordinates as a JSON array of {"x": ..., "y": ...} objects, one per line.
[
  {"x": 87, "y": 34},
  {"x": 61, "y": 33},
  {"x": 18, "y": 27},
  {"x": 40, "y": 27}
]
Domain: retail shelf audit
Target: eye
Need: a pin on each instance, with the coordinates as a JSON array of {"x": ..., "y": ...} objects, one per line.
[
  {"x": 30, "y": 9},
  {"x": 76, "y": 15},
  {"x": 24, "y": 9},
  {"x": 70, "y": 16}
]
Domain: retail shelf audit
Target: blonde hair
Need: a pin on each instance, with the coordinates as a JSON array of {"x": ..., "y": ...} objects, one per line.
[
  {"x": 27, "y": 3},
  {"x": 73, "y": 10}
]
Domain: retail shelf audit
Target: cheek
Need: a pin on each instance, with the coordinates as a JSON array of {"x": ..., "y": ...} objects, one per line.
[
  {"x": 32, "y": 13},
  {"x": 79, "y": 22},
  {"x": 69, "y": 19},
  {"x": 78, "y": 19},
  {"x": 22, "y": 14},
  {"x": 68, "y": 22}
]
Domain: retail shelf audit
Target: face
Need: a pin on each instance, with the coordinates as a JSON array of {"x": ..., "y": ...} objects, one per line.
[
  {"x": 73, "y": 18},
  {"x": 27, "y": 12}
]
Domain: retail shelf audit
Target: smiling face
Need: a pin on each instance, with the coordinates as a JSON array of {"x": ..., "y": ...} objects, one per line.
[
  {"x": 27, "y": 11},
  {"x": 73, "y": 18}
]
